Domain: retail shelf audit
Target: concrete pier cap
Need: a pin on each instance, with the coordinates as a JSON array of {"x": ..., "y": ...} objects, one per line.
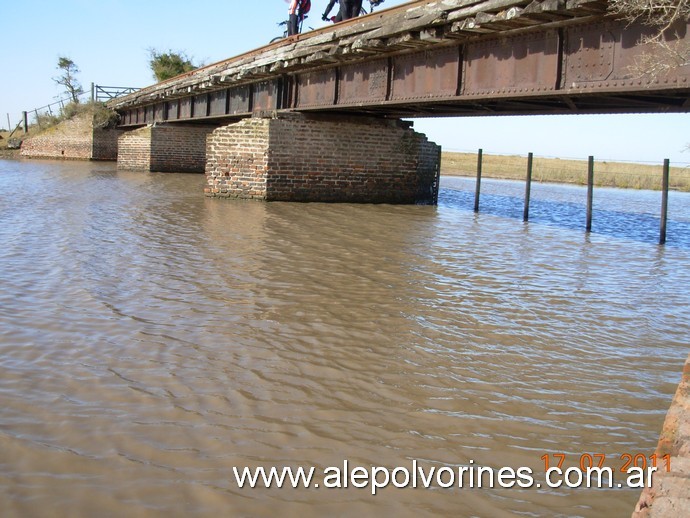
[{"x": 322, "y": 158}]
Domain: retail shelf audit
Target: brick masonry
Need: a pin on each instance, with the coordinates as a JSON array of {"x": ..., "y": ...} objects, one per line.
[
  {"x": 73, "y": 139},
  {"x": 164, "y": 148},
  {"x": 134, "y": 149},
  {"x": 298, "y": 157},
  {"x": 669, "y": 494},
  {"x": 104, "y": 145}
]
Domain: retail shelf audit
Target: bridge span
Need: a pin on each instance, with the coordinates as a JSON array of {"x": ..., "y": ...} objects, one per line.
[{"x": 427, "y": 58}]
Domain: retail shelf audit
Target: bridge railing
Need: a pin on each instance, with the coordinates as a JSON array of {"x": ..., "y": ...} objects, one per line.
[{"x": 100, "y": 93}]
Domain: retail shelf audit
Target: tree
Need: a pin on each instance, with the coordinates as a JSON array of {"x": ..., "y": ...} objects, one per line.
[
  {"x": 165, "y": 65},
  {"x": 68, "y": 78},
  {"x": 667, "y": 51}
]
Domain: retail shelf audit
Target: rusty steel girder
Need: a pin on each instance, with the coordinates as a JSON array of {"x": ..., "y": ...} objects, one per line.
[
  {"x": 587, "y": 68},
  {"x": 364, "y": 83},
  {"x": 606, "y": 56},
  {"x": 426, "y": 75},
  {"x": 519, "y": 65},
  {"x": 316, "y": 89}
]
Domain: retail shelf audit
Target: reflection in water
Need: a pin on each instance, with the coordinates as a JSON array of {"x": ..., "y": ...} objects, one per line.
[{"x": 151, "y": 339}]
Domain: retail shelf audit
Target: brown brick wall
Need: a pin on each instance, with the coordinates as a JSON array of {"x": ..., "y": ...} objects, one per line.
[
  {"x": 104, "y": 146},
  {"x": 70, "y": 139},
  {"x": 237, "y": 159},
  {"x": 134, "y": 150},
  {"x": 164, "y": 148},
  {"x": 74, "y": 139},
  {"x": 179, "y": 148},
  {"x": 428, "y": 171},
  {"x": 305, "y": 158}
]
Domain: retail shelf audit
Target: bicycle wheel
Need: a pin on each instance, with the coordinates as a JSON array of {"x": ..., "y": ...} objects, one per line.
[{"x": 277, "y": 38}]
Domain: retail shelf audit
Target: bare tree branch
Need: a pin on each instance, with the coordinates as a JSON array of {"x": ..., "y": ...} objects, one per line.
[
  {"x": 652, "y": 12},
  {"x": 666, "y": 51}
]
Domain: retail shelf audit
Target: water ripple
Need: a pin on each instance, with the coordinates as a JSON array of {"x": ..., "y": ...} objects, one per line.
[{"x": 152, "y": 339}]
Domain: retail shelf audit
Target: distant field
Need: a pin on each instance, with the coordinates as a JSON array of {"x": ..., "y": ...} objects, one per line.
[
  {"x": 608, "y": 174},
  {"x": 513, "y": 167}
]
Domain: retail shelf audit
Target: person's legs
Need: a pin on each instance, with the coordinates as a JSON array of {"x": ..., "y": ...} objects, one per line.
[
  {"x": 345, "y": 9},
  {"x": 292, "y": 25},
  {"x": 356, "y": 7}
]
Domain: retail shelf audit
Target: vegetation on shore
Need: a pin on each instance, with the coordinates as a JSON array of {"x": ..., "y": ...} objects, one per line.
[
  {"x": 101, "y": 116},
  {"x": 627, "y": 175},
  {"x": 606, "y": 174}
]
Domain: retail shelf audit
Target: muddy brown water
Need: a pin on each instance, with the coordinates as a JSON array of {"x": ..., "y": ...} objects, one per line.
[{"x": 152, "y": 339}]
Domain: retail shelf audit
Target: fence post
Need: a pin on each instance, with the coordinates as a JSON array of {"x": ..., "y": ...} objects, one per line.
[
  {"x": 479, "y": 181},
  {"x": 25, "y": 116},
  {"x": 528, "y": 187},
  {"x": 590, "y": 192},
  {"x": 664, "y": 202},
  {"x": 93, "y": 93}
]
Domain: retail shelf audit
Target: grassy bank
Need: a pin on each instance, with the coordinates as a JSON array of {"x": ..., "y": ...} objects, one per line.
[{"x": 606, "y": 174}]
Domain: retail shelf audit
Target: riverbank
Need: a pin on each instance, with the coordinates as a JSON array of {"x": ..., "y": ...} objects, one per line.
[
  {"x": 627, "y": 175},
  {"x": 669, "y": 494}
]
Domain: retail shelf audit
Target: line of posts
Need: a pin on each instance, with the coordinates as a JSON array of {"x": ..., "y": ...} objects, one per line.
[{"x": 590, "y": 192}]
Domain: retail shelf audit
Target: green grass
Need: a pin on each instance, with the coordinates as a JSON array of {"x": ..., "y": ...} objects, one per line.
[{"x": 607, "y": 174}]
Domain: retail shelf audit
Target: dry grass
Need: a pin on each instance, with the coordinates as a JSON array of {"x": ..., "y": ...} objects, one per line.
[{"x": 607, "y": 174}]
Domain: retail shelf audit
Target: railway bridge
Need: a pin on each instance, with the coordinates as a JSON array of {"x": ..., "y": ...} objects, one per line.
[{"x": 319, "y": 116}]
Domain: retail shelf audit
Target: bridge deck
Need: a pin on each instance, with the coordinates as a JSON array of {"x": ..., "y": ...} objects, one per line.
[{"x": 432, "y": 58}]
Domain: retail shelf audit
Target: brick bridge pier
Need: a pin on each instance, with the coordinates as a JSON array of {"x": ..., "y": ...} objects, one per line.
[
  {"x": 294, "y": 157},
  {"x": 320, "y": 114}
]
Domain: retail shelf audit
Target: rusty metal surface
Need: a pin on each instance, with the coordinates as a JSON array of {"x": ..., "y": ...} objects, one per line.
[
  {"x": 363, "y": 82},
  {"x": 426, "y": 74},
  {"x": 606, "y": 55},
  {"x": 577, "y": 66},
  {"x": 519, "y": 65},
  {"x": 218, "y": 103},
  {"x": 173, "y": 110},
  {"x": 239, "y": 100},
  {"x": 200, "y": 106},
  {"x": 159, "y": 112},
  {"x": 266, "y": 96},
  {"x": 185, "y": 109},
  {"x": 316, "y": 88}
]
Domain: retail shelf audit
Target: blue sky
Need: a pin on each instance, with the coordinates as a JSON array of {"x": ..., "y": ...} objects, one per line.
[{"x": 109, "y": 41}]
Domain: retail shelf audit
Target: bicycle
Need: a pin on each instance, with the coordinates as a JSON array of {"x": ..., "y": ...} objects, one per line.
[
  {"x": 362, "y": 12},
  {"x": 285, "y": 32}
]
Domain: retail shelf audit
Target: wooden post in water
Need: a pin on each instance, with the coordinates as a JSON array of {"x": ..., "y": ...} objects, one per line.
[
  {"x": 590, "y": 192},
  {"x": 479, "y": 181},
  {"x": 528, "y": 187},
  {"x": 664, "y": 202}
]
